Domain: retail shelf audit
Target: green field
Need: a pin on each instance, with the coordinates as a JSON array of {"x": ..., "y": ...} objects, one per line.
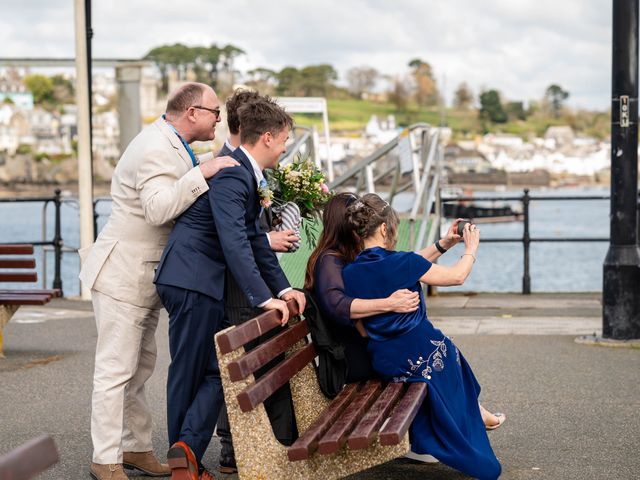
[
  {"x": 350, "y": 116},
  {"x": 295, "y": 264}
]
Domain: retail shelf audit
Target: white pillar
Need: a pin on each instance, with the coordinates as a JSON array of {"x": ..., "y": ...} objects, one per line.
[
  {"x": 85, "y": 180},
  {"x": 128, "y": 76}
]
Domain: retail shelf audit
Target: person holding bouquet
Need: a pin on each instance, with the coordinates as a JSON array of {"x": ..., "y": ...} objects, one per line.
[{"x": 238, "y": 309}]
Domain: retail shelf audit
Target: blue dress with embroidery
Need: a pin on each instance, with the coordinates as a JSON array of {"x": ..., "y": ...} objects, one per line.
[{"x": 408, "y": 348}]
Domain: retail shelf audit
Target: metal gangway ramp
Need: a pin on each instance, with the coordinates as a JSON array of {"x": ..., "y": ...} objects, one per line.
[{"x": 406, "y": 172}]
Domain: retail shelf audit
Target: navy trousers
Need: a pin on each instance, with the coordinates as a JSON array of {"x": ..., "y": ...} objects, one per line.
[{"x": 194, "y": 389}]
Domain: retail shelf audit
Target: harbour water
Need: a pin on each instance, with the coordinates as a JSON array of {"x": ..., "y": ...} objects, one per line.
[{"x": 554, "y": 267}]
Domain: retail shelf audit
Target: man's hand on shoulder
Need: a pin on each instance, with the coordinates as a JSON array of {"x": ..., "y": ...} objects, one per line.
[
  {"x": 213, "y": 166},
  {"x": 298, "y": 296},
  {"x": 282, "y": 241}
]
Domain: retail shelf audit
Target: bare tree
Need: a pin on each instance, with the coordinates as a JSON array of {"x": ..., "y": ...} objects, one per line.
[
  {"x": 399, "y": 93},
  {"x": 425, "y": 84},
  {"x": 463, "y": 97},
  {"x": 361, "y": 80}
]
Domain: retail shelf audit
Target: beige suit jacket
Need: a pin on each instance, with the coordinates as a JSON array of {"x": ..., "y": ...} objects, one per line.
[{"x": 153, "y": 183}]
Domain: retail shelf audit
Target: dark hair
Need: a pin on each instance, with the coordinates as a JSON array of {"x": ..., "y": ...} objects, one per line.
[
  {"x": 184, "y": 97},
  {"x": 366, "y": 215},
  {"x": 261, "y": 116},
  {"x": 337, "y": 234},
  {"x": 239, "y": 98}
]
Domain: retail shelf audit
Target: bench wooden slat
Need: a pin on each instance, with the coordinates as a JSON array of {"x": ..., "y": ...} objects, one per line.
[
  {"x": 30, "y": 459},
  {"x": 366, "y": 431},
  {"x": 254, "y": 395},
  {"x": 307, "y": 443},
  {"x": 242, "y": 334},
  {"x": 19, "y": 277},
  {"x": 17, "y": 262},
  {"x": 54, "y": 292},
  {"x": 336, "y": 437},
  {"x": 16, "y": 249},
  {"x": 24, "y": 299},
  {"x": 404, "y": 414},
  {"x": 261, "y": 355}
]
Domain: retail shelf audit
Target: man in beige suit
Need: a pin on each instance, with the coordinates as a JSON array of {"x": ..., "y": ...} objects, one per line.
[{"x": 157, "y": 178}]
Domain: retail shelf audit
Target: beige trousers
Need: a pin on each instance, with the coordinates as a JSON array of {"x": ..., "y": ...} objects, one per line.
[{"x": 125, "y": 359}]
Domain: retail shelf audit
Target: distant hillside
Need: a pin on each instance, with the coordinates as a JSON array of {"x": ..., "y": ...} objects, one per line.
[{"x": 351, "y": 116}]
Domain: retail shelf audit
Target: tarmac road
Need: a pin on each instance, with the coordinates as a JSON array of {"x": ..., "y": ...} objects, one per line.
[{"x": 573, "y": 410}]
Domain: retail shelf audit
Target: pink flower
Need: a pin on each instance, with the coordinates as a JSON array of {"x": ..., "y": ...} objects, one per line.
[
  {"x": 265, "y": 202},
  {"x": 324, "y": 188}
]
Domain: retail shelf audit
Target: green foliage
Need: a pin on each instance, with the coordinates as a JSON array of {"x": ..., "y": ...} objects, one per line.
[
  {"x": 205, "y": 62},
  {"x": 41, "y": 87},
  {"x": 8, "y": 101},
  {"x": 310, "y": 81},
  {"x": 515, "y": 111},
  {"x": 491, "y": 108},
  {"x": 556, "y": 96},
  {"x": 23, "y": 149}
]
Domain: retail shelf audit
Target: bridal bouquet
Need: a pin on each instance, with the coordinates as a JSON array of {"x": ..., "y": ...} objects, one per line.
[{"x": 298, "y": 193}]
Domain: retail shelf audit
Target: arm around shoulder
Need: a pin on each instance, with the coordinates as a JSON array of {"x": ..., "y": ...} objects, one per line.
[{"x": 164, "y": 193}]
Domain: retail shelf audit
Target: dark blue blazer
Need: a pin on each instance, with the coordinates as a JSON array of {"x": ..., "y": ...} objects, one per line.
[
  {"x": 222, "y": 230},
  {"x": 224, "y": 151}
]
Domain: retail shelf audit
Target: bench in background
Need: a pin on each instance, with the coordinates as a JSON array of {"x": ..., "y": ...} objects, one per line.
[
  {"x": 11, "y": 299},
  {"x": 364, "y": 426}
]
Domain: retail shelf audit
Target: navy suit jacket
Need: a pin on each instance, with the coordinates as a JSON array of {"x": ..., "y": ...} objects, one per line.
[{"x": 222, "y": 230}]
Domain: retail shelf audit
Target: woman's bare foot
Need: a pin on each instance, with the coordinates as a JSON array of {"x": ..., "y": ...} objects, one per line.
[{"x": 490, "y": 420}]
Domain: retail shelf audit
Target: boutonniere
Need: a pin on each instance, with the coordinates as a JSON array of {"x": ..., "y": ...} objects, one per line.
[{"x": 265, "y": 194}]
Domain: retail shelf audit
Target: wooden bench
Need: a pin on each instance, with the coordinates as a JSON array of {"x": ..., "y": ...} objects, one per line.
[
  {"x": 364, "y": 426},
  {"x": 11, "y": 299},
  {"x": 29, "y": 460}
]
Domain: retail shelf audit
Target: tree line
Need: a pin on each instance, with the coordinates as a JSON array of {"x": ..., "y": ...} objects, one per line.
[{"x": 416, "y": 88}]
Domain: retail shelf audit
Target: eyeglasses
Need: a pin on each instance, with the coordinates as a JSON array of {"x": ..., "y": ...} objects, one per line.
[{"x": 215, "y": 111}]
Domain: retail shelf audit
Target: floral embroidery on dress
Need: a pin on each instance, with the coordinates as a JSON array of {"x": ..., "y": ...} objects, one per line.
[{"x": 434, "y": 362}]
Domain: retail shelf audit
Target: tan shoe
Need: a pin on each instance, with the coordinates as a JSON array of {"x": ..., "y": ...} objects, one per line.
[
  {"x": 147, "y": 463},
  {"x": 107, "y": 472}
]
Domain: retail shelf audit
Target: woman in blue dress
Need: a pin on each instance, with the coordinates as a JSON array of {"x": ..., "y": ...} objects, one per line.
[
  {"x": 344, "y": 314},
  {"x": 408, "y": 348}
]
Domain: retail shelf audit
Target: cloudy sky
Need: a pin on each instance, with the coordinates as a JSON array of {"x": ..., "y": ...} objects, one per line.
[{"x": 516, "y": 46}]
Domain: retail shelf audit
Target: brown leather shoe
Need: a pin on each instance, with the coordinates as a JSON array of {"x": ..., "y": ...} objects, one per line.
[
  {"x": 147, "y": 463},
  {"x": 107, "y": 472}
]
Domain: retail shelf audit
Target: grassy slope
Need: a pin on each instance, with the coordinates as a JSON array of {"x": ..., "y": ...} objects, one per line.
[
  {"x": 295, "y": 264},
  {"x": 351, "y": 116}
]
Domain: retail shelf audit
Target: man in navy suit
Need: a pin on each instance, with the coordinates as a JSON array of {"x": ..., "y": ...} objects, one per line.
[
  {"x": 220, "y": 231},
  {"x": 238, "y": 309}
]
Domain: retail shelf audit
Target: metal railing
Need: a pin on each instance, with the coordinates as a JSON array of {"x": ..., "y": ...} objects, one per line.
[
  {"x": 424, "y": 165},
  {"x": 56, "y": 242},
  {"x": 304, "y": 144},
  {"x": 526, "y": 238}
]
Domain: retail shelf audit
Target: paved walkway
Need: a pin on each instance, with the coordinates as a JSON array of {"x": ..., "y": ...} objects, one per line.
[{"x": 572, "y": 409}]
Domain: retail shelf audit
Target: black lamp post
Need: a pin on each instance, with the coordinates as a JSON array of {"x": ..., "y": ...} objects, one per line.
[{"x": 621, "y": 279}]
